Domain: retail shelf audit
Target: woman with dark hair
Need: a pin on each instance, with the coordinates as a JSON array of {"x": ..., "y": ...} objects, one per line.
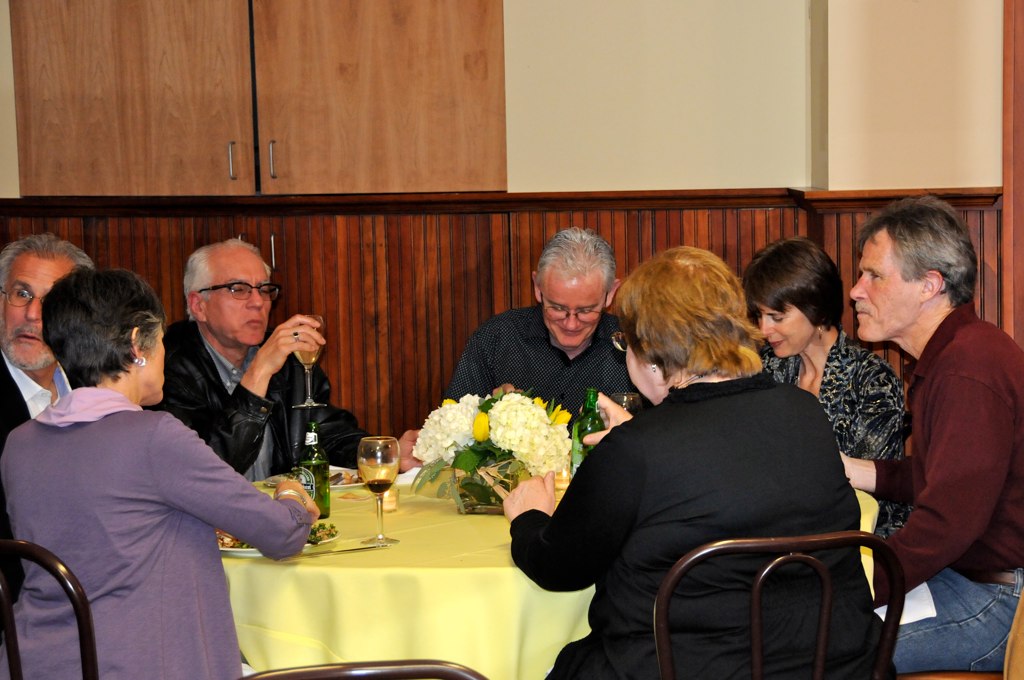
[
  {"x": 795, "y": 295},
  {"x": 725, "y": 452},
  {"x": 129, "y": 499}
]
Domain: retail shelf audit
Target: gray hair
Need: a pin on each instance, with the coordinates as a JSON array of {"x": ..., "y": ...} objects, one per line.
[
  {"x": 197, "y": 268},
  {"x": 928, "y": 234},
  {"x": 577, "y": 252},
  {"x": 45, "y": 246}
]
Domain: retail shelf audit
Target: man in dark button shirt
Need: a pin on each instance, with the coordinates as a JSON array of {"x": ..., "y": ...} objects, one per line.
[
  {"x": 560, "y": 346},
  {"x": 234, "y": 383},
  {"x": 965, "y": 477}
]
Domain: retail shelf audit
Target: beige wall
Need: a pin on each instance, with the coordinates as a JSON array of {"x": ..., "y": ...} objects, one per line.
[
  {"x": 914, "y": 93},
  {"x": 699, "y": 94},
  {"x": 655, "y": 94}
]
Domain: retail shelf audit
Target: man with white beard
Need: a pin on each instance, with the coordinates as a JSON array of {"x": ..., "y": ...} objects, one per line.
[{"x": 30, "y": 378}]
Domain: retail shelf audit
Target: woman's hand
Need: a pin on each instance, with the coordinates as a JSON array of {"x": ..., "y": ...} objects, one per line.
[
  {"x": 536, "y": 493},
  {"x": 612, "y": 414},
  {"x": 307, "y": 502}
]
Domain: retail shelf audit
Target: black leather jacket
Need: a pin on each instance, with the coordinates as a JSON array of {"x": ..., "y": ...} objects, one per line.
[{"x": 234, "y": 424}]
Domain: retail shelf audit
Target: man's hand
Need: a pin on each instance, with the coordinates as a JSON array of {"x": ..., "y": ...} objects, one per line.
[
  {"x": 297, "y": 333},
  {"x": 861, "y": 473},
  {"x": 504, "y": 389},
  {"x": 612, "y": 414},
  {"x": 536, "y": 493},
  {"x": 406, "y": 460}
]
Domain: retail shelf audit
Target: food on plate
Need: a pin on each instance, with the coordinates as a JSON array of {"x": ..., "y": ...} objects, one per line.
[
  {"x": 341, "y": 477},
  {"x": 226, "y": 540},
  {"x": 318, "y": 533}
]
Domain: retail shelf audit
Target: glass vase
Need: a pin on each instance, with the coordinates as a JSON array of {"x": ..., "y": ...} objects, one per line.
[{"x": 481, "y": 492}]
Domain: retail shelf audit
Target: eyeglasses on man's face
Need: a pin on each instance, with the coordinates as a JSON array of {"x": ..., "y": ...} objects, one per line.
[
  {"x": 619, "y": 340},
  {"x": 560, "y": 313},
  {"x": 20, "y": 297},
  {"x": 240, "y": 290}
]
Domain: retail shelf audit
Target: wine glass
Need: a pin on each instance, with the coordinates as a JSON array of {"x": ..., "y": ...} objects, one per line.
[
  {"x": 378, "y": 466},
  {"x": 308, "y": 359},
  {"x": 629, "y": 401}
]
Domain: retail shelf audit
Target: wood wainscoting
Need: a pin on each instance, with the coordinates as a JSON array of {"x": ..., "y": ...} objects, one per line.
[{"x": 403, "y": 280}]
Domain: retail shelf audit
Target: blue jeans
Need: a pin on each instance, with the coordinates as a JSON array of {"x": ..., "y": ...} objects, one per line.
[{"x": 969, "y": 631}]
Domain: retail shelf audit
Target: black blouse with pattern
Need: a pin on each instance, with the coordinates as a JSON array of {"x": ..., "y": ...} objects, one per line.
[{"x": 863, "y": 400}]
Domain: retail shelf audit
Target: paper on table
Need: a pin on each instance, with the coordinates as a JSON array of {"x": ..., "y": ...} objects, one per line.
[{"x": 918, "y": 605}]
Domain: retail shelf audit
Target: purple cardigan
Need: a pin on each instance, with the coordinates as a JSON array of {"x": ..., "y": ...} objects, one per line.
[{"x": 128, "y": 499}]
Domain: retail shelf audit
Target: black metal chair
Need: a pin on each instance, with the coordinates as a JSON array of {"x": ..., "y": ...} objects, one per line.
[
  {"x": 781, "y": 551},
  {"x": 413, "y": 669},
  {"x": 76, "y": 594}
]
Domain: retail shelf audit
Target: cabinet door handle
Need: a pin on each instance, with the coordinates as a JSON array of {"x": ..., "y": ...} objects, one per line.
[
  {"x": 231, "y": 161},
  {"x": 270, "y": 152}
]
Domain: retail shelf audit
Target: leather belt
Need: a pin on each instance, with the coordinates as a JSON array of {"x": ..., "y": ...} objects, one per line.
[{"x": 1007, "y": 577}]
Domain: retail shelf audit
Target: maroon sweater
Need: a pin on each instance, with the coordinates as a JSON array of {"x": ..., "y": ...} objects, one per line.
[{"x": 966, "y": 475}]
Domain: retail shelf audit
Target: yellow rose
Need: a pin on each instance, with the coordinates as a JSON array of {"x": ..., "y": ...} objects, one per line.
[
  {"x": 448, "y": 402},
  {"x": 481, "y": 427}
]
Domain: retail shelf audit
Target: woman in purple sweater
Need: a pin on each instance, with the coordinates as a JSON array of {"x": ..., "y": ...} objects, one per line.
[{"x": 129, "y": 500}]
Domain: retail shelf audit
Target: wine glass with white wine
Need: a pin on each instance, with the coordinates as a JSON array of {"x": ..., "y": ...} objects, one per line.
[
  {"x": 378, "y": 458},
  {"x": 308, "y": 359}
]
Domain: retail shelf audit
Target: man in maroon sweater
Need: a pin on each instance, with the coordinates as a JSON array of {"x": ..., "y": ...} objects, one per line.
[{"x": 965, "y": 477}]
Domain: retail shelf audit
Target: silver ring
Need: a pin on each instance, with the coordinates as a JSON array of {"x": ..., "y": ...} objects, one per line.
[{"x": 295, "y": 336}]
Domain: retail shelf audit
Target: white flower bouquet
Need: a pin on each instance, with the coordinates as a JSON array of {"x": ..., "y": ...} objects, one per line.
[{"x": 491, "y": 443}]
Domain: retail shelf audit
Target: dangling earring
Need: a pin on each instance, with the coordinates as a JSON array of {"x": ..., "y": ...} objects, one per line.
[
  {"x": 820, "y": 332},
  {"x": 654, "y": 368},
  {"x": 139, "y": 361}
]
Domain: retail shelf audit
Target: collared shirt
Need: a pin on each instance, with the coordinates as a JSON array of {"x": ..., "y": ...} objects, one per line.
[
  {"x": 37, "y": 398},
  {"x": 231, "y": 375},
  {"x": 515, "y": 347},
  {"x": 966, "y": 472}
]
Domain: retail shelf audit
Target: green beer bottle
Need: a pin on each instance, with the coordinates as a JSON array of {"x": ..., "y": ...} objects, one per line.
[
  {"x": 586, "y": 422},
  {"x": 314, "y": 471}
]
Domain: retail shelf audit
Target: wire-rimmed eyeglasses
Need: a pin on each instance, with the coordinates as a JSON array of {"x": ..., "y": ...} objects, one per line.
[
  {"x": 240, "y": 290},
  {"x": 560, "y": 313},
  {"x": 19, "y": 297},
  {"x": 619, "y": 340}
]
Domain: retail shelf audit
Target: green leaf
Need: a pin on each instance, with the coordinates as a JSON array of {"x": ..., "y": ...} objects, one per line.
[
  {"x": 428, "y": 473},
  {"x": 467, "y": 459}
]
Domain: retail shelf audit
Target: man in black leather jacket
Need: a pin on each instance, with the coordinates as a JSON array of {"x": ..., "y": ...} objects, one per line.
[{"x": 234, "y": 383}]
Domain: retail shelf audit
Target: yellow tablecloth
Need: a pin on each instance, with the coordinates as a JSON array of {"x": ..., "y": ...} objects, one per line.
[{"x": 449, "y": 590}]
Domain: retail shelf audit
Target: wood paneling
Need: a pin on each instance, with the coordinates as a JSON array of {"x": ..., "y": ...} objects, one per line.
[{"x": 404, "y": 280}]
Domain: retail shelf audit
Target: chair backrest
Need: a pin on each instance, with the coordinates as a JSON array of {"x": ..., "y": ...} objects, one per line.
[
  {"x": 413, "y": 669},
  {"x": 76, "y": 594},
  {"x": 781, "y": 551}
]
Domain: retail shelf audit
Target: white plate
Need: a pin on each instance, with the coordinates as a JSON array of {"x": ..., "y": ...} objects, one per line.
[
  {"x": 253, "y": 552},
  {"x": 274, "y": 480}
]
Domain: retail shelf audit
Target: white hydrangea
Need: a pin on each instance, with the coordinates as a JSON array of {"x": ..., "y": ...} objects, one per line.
[
  {"x": 522, "y": 426},
  {"x": 447, "y": 429}
]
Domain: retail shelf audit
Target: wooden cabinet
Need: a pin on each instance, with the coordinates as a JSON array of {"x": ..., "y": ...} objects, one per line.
[
  {"x": 149, "y": 97},
  {"x": 363, "y": 96}
]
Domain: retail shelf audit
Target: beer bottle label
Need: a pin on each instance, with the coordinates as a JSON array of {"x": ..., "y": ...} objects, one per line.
[
  {"x": 311, "y": 439},
  {"x": 306, "y": 478}
]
